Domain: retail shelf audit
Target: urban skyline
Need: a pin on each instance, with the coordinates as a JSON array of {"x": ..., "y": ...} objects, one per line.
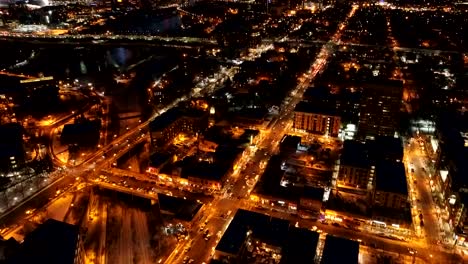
[{"x": 233, "y": 132}]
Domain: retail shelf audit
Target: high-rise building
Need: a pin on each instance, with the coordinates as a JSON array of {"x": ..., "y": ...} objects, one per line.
[
  {"x": 380, "y": 108},
  {"x": 12, "y": 154},
  {"x": 316, "y": 119}
]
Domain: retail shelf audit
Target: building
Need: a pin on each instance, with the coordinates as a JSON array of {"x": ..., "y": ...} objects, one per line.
[
  {"x": 250, "y": 231},
  {"x": 289, "y": 144},
  {"x": 84, "y": 133},
  {"x": 390, "y": 200},
  {"x": 175, "y": 121},
  {"x": 356, "y": 170},
  {"x": 316, "y": 119},
  {"x": 156, "y": 161},
  {"x": 380, "y": 108},
  {"x": 386, "y": 148},
  {"x": 53, "y": 242},
  {"x": 310, "y": 202},
  {"x": 12, "y": 153},
  {"x": 391, "y": 190},
  {"x": 340, "y": 250}
]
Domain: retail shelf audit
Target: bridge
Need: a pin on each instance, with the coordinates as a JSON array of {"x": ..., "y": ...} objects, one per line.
[
  {"x": 106, "y": 39},
  {"x": 117, "y": 188},
  {"x": 175, "y": 42},
  {"x": 314, "y": 43}
]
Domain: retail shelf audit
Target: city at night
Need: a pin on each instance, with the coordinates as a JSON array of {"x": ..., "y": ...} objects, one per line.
[{"x": 233, "y": 131}]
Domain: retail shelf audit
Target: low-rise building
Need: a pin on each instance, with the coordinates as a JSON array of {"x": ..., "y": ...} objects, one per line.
[
  {"x": 250, "y": 232},
  {"x": 53, "y": 242},
  {"x": 176, "y": 120},
  {"x": 340, "y": 250},
  {"x": 310, "y": 202},
  {"x": 289, "y": 143}
]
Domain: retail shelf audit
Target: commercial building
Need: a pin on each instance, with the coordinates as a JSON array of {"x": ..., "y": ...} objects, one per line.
[
  {"x": 84, "y": 133},
  {"x": 449, "y": 181},
  {"x": 310, "y": 202},
  {"x": 390, "y": 199},
  {"x": 340, "y": 250},
  {"x": 53, "y": 242},
  {"x": 289, "y": 144},
  {"x": 358, "y": 161},
  {"x": 175, "y": 121},
  {"x": 380, "y": 108},
  {"x": 391, "y": 190},
  {"x": 206, "y": 168},
  {"x": 356, "y": 169},
  {"x": 316, "y": 119},
  {"x": 386, "y": 148},
  {"x": 12, "y": 153},
  {"x": 254, "y": 236},
  {"x": 276, "y": 190}
]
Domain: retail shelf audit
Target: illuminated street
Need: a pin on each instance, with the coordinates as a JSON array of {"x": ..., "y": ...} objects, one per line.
[{"x": 146, "y": 132}]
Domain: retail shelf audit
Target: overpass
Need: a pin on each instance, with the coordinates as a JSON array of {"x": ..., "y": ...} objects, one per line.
[
  {"x": 175, "y": 42},
  {"x": 105, "y": 39},
  {"x": 117, "y": 188},
  {"x": 127, "y": 173},
  {"x": 313, "y": 43}
]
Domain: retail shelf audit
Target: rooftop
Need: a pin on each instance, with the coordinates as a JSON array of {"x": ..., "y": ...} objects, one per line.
[
  {"x": 386, "y": 147},
  {"x": 340, "y": 250},
  {"x": 165, "y": 119},
  {"x": 391, "y": 177},
  {"x": 159, "y": 158},
  {"x": 53, "y": 242},
  {"x": 307, "y": 107},
  {"x": 313, "y": 193},
  {"x": 297, "y": 243},
  {"x": 355, "y": 154},
  {"x": 299, "y": 246},
  {"x": 290, "y": 141}
]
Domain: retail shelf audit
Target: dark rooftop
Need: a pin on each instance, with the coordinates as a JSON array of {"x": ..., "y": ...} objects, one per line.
[
  {"x": 53, "y": 242},
  {"x": 313, "y": 193},
  {"x": 84, "y": 133},
  {"x": 184, "y": 209},
  {"x": 269, "y": 183},
  {"x": 165, "y": 119},
  {"x": 300, "y": 246},
  {"x": 11, "y": 141},
  {"x": 391, "y": 177},
  {"x": 315, "y": 94},
  {"x": 386, "y": 147},
  {"x": 354, "y": 154},
  {"x": 307, "y": 107},
  {"x": 403, "y": 215},
  {"x": 289, "y": 142},
  {"x": 340, "y": 250},
  {"x": 157, "y": 159},
  {"x": 297, "y": 243}
]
